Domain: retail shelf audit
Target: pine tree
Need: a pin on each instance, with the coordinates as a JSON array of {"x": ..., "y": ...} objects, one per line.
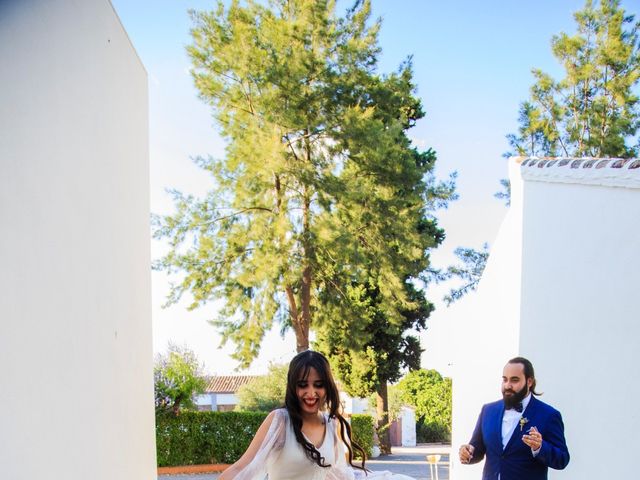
[
  {"x": 319, "y": 184},
  {"x": 593, "y": 110}
]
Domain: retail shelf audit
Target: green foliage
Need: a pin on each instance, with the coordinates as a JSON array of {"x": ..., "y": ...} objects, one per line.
[
  {"x": 395, "y": 402},
  {"x": 430, "y": 394},
  {"x": 470, "y": 271},
  {"x": 264, "y": 393},
  {"x": 320, "y": 187},
  {"x": 432, "y": 431},
  {"x": 367, "y": 348},
  {"x": 177, "y": 378},
  {"x": 593, "y": 110},
  {"x": 367, "y": 360},
  {"x": 193, "y": 438},
  {"x": 362, "y": 429},
  {"x": 505, "y": 193}
]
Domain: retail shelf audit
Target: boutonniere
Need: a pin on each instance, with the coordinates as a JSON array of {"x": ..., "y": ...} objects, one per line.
[{"x": 523, "y": 422}]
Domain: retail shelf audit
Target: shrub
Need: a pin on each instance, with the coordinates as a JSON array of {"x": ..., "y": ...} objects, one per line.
[
  {"x": 192, "y": 438},
  {"x": 430, "y": 394},
  {"x": 362, "y": 428},
  {"x": 432, "y": 432},
  {"x": 264, "y": 393},
  {"x": 177, "y": 377}
]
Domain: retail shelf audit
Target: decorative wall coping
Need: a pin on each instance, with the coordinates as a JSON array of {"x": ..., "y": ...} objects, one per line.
[{"x": 612, "y": 172}]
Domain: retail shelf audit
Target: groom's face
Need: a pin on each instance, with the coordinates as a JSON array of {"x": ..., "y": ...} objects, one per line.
[{"x": 514, "y": 384}]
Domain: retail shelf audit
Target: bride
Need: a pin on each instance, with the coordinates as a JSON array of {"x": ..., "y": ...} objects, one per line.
[{"x": 308, "y": 439}]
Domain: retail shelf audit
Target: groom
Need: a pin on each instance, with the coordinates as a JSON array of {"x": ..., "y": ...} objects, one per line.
[{"x": 520, "y": 435}]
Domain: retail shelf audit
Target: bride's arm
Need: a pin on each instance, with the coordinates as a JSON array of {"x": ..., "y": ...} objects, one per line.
[{"x": 250, "y": 453}]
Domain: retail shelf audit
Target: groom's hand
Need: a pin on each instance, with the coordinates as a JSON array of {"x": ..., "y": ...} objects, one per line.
[
  {"x": 466, "y": 453},
  {"x": 533, "y": 438}
]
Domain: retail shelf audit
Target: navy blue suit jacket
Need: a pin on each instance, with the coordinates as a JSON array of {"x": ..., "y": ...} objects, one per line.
[{"x": 515, "y": 461}]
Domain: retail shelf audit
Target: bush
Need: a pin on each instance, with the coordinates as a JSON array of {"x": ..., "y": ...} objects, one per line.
[
  {"x": 177, "y": 379},
  {"x": 264, "y": 393},
  {"x": 430, "y": 394},
  {"x": 193, "y": 438},
  {"x": 362, "y": 429},
  {"x": 432, "y": 432}
]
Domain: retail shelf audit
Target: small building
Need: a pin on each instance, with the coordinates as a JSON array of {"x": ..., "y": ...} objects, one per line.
[
  {"x": 353, "y": 405},
  {"x": 402, "y": 430},
  {"x": 220, "y": 393}
]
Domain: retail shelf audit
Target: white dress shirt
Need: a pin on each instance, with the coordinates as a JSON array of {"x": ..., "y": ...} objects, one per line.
[{"x": 510, "y": 421}]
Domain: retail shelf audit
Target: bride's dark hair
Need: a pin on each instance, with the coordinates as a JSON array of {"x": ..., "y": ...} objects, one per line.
[{"x": 299, "y": 370}]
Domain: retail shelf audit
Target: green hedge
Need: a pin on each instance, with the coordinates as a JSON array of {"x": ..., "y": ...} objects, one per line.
[
  {"x": 362, "y": 430},
  {"x": 432, "y": 432},
  {"x": 193, "y": 438}
]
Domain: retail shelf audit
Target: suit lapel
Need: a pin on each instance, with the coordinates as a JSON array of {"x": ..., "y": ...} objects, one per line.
[{"x": 498, "y": 424}]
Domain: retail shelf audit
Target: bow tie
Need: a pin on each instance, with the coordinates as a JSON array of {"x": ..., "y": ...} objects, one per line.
[{"x": 518, "y": 408}]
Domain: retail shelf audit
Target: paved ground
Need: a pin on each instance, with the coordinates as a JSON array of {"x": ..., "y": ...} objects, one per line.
[{"x": 410, "y": 461}]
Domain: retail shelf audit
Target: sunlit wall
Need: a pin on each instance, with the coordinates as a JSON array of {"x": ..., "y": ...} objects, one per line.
[
  {"x": 571, "y": 286},
  {"x": 75, "y": 325}
]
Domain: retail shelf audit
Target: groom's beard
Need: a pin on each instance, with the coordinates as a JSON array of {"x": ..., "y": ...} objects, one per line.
[{"x": 511, "y": 401}]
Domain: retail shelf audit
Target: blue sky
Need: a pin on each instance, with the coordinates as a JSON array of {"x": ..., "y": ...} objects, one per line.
[{"x": 472, "y": 63}]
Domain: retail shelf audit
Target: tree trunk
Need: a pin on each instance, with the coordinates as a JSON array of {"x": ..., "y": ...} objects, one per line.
[
  {"x": 382, "y": 410},
  {"x": 298, "y": 322},
  {"x": 301, "y": 327},
  {"x": 304, "y": 316}
]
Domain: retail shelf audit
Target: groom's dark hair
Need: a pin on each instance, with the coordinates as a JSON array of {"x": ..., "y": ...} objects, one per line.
[{"x": 528, "y": 372}]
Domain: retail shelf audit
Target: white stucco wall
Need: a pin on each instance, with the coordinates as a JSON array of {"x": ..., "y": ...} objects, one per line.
[
  {"x": 559, "y": 289},
  {"x": 354, "y": 405},
  {"x": 75, "y": 325},
  {"x": 206, "y": 399},
  {"x": 226, "y": 399},
  {"x": 487, "y": 334},
  {"x": 408, "y": 416},
  {"x": 581, "y": 272}
]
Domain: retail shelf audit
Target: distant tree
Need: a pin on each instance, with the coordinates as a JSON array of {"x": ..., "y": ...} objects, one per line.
[
  {"x": 265, "y": 392},
  {"x": 395, "y": 402},
  {"x": 430, "y": 394},
  {"x": 177, "y": 379},
  {"x": 320, "y": 185},
  {"x": 593, "y": 110}
]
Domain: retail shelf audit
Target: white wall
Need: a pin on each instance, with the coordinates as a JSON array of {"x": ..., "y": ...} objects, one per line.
[
  {"x": 487, "y": 334},
  {"x": 206, "y": 399},
  {"x": 226, "y": 399},
  {"x": 580, "y": 328},
  {"x": 408, "y": 415},
  {"x": 353, "y": 405},
  {"x": 75, "y": 326},
  {"x": 560, "y": 288}
]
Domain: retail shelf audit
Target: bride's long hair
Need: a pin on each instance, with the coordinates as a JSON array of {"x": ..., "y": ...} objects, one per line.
[{"x": 299, "y": 370}]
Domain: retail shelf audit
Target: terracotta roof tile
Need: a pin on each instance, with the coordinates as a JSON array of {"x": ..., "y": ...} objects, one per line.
[
  {"x": 228, "y": 383},
  {"x": 612, "y": 172}
]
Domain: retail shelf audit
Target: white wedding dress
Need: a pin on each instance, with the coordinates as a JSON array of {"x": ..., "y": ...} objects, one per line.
[{"x": 281, "y": 457}]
